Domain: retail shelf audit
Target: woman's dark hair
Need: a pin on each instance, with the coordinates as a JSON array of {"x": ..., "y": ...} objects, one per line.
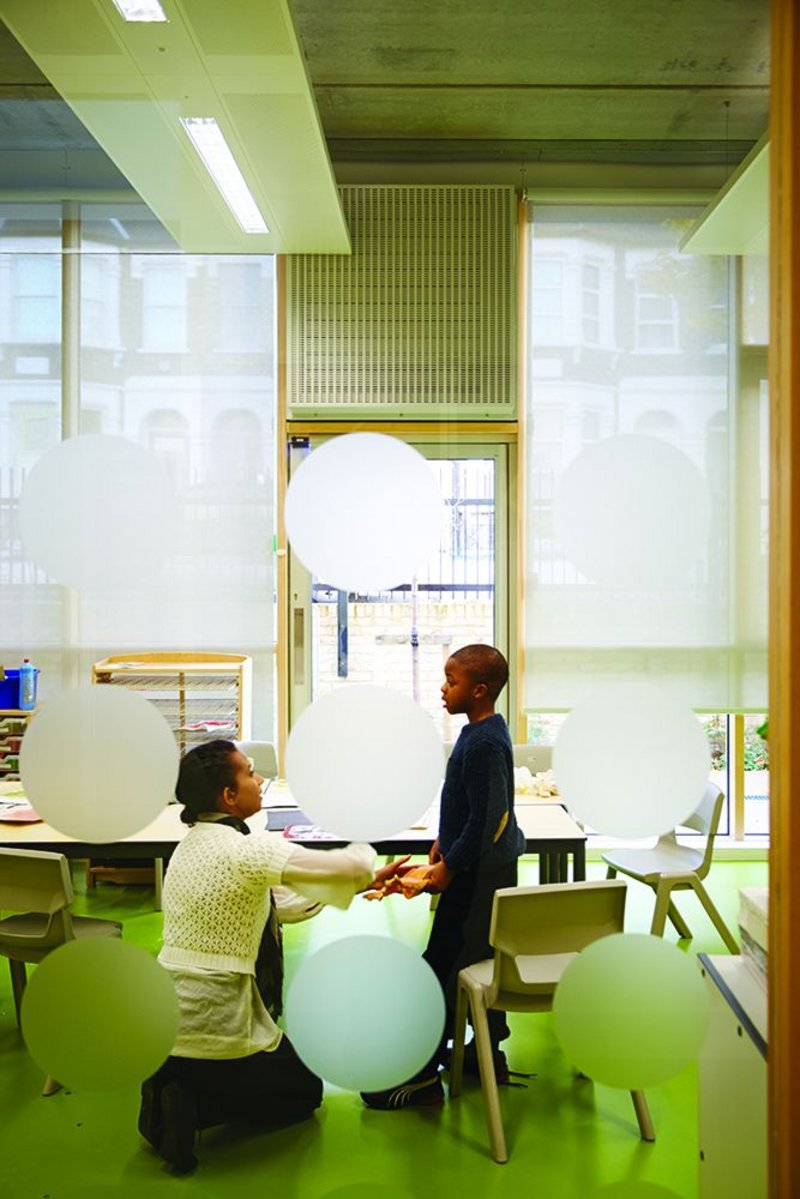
[{"x": 203, "y": 775}]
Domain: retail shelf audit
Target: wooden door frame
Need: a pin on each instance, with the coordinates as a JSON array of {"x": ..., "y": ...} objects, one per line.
[{"x": 784, "y": 652}]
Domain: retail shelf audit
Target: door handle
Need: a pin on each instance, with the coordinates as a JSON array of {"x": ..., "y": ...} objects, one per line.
[{"x": 299, "y": 645}]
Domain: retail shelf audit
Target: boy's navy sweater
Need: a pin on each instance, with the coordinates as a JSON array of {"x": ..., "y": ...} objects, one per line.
[{"x": 477, "y": 819}]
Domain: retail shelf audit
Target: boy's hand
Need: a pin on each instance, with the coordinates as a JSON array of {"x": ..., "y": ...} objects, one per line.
[
  {"x": 434, "y": 855},
  {"x": 440, "y": 877},
  {"x": 388, "y": 872}
]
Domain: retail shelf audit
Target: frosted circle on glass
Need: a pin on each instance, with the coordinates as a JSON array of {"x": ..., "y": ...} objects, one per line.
[
  {"x": 365, "y": 1012},
  {"x": 631, "y": 1011},
  {"x": 97, "y": 512},
  {"x": 364, "y": 762},
  {"x": 99, "y": 1014},
  {"x": 99, "y": 763},
  {"x": 632, "y": 512},
  {"x": 364, "y": 512},
  {"x": 631, "y": 761}
]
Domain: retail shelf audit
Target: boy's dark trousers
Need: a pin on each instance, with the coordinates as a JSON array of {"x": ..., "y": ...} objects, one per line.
[{"x": 460, "y": 937}]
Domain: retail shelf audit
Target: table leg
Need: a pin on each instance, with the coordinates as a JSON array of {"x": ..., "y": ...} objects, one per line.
[{"x": 158, "y": 875}]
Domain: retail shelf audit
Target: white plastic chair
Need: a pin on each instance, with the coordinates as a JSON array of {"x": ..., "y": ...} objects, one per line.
[
  {"x": 263, "y": 755},
  {"x": 535, "y": 933},
  {"x": 37, "y": 887},
  {"x": 669, "y": 867}
]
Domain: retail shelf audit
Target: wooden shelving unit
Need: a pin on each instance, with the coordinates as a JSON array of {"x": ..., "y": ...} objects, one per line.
[
  {"x": 13, "y": 725},
  {"x": 201, "y": 696}
]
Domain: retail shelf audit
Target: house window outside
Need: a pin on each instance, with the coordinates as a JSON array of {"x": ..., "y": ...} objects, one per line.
[
  {"x": 164, "y": 306},
  {"x": 36, "y": 298},
  {"x": 590, "y": 291}
]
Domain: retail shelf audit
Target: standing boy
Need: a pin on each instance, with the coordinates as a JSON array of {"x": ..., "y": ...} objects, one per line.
[{"x": 475, "y": 853}]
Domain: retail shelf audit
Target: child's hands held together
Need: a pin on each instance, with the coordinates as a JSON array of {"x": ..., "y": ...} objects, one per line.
[{"x": 399, "y": 878}]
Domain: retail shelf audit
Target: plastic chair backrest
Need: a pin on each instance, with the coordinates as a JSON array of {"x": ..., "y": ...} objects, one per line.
[
  {"x": 36, "y": 881},
  {"x": 558, "y": 918},
  {"x": 705, "y": 819},
  {"x": 32, "y": 880},
  {"x": 537, "y": 758},
  {"x": 265, "y": 762}
]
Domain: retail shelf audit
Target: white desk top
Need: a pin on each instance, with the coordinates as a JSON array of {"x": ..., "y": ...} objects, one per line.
[{"x": 539, "y": 822}]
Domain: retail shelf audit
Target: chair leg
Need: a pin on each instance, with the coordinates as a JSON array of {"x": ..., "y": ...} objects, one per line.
[
  {"x": 18, "y": 981},
  {"x": 678, "y": 921},
  {"x": 662, "y": 907},
  {"x": 716, "y": 919},
  {"x": 491, "y": 1098},
  {"x": 158, "y": 880},
  {"x": 646, "y": 1129},
  {"x": 459, "y": 1032}
]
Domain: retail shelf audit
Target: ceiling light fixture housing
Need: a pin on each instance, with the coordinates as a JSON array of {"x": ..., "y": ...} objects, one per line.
[
  {"x": 140, "y": 10},
  {"x": 210, "y": 143}
]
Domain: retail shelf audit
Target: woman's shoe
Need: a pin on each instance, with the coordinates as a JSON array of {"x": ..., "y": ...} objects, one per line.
[{"x": 179, "y": 1120}]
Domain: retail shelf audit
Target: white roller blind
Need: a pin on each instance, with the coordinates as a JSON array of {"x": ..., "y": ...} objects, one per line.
[
  {"x": 176, "y": 354},
  {"x": 646, "y": 549}
]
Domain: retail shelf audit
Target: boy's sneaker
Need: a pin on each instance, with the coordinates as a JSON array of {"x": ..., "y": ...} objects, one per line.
[
  {"x": 471, "y": 1068},
  {"x": 417, "y": 1092},
  {"x": 179, "y": 1123}
]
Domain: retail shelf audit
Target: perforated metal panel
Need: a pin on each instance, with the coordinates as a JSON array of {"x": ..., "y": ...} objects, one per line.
[{"x": 420, "y": 321}]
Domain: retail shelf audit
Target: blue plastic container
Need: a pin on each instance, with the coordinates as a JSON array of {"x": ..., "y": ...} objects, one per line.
[
  {"x": 10, "y": 697},
  {"x": 9, "y": 690}
]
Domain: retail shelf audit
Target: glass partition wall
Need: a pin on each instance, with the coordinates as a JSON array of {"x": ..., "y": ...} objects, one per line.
[
  {"x": 175, "y": 354},
  {"x": 647, "y": 402}
]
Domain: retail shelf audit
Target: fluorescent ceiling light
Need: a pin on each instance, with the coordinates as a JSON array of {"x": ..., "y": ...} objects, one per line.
[
  {"x": 215, "y": 152},
  {"x": 140, "y": 10}
]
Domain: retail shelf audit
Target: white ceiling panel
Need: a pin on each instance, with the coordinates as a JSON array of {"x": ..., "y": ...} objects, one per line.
[{"x": 239, "y": 62}]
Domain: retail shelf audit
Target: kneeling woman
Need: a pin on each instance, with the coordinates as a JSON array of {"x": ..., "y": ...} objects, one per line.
[{"x": 230, "y": 1061}]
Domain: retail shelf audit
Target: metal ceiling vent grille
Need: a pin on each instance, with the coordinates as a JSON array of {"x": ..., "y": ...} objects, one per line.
[{"x": 420, "y": 320}]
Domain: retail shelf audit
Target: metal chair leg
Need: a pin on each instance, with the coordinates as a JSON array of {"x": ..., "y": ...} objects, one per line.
[
  {"x": 491, "y": 1098},
  {"x": 716, "y": 919},
  {"x": 678, "y": 921},
  {"x": 661, "y": 908},
  {"x": 646, "y": 1129},
  {"x": 18, "y": 980},
  {"x": 459, "y": 1032}
]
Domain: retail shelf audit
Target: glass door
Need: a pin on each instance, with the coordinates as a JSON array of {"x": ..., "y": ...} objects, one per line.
[{"x": 402, "y": 638}]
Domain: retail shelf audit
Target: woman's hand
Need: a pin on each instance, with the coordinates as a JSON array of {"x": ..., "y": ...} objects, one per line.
[
  {"x": 434, "y": 855},
  {"x": 388, "y": 872}
]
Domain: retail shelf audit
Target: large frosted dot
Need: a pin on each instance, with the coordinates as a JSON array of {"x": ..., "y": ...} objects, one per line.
[
  {"x": 99, "y": 1015},
  {"x": 365, "y": 1013},
  {"x": 631, "y": 761},
  {"x": 633, "y": 512},
  {"x": 99, "y": 763},
  {"x": 97, "y": 512},
  {"x": 631, "y": 1011},
  {"x": 364, "y": 512},
  {"x": 364, "y": 762}
]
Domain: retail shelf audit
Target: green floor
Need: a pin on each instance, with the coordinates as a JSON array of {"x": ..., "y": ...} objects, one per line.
[{"x": 567, "y": 1138}]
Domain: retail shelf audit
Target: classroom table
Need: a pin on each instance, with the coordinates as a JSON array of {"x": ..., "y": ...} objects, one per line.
[{"x": 549, "y": 832}]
